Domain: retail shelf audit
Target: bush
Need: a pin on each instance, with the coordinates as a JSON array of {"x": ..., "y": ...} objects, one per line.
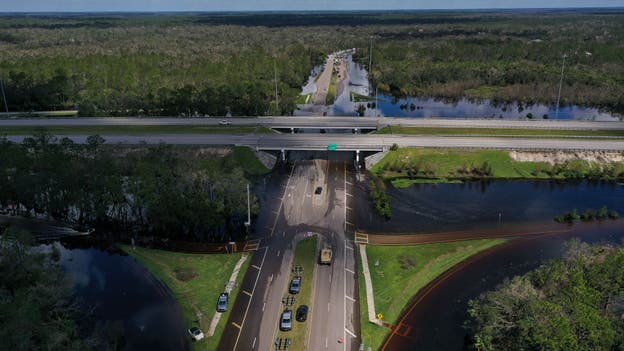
[
  {"x": 185, "y": 274},
  {"x": 613, "y": 214},
  {"x": 394, "y": 147}
]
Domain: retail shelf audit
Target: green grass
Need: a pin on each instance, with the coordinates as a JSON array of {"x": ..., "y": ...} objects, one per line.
[
  {"x": 137, "y": 130},
  {"x": 402, "y": 183},
  {"x": 303, "y": 99},
  {"x": 500, "y": 132},
  {"x": 360, "y": 97},
  {"x": 482, "y": 92},
  {"x": 404, "y": 270},
  {"x": 305, "y": 256},
  {"x": 245, "y": 157},
  {"x": 198, "y": 294}
]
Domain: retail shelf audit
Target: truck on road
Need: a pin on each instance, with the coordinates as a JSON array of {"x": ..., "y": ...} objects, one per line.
[{"x": 326, "y": 255}]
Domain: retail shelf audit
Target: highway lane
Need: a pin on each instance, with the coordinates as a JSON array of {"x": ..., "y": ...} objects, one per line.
[
  {"x": 318, "y": 122},
  {"x": 350, "y": 142},
  {"x": 254, "y": 320}
]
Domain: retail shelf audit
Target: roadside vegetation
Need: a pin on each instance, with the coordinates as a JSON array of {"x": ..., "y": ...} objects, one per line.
[
  {"x": 512, "y": 132},
  {"x": 196, "y": 281},
  {"x": 306, "y": 255},
  {"x": 574, "y": 303},
  {"x": 182, "y": 193},
  {"x": 406, "y": 166},
  {"x": 588, "y": 215},
  {"x": 196, "y": 64},
  {"x": 398, "y": 273}
]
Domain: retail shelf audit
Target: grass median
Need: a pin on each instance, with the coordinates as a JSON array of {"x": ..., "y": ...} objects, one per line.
[
  {"x": 400, "y": 272},
  {"x": 305, "y": 256},
  {"x": 196, "y": 281},
  {"x": 510, "y": 132}
]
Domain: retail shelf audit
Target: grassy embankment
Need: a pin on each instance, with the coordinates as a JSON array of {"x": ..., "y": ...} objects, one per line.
[
  {"x": 303, "y": 99},
  {"x": 248, "y": 160},
  {"x": 506, "y": 132},
  {"x": 407, "y": 166},
  {"x": 305, "y": 256},
  {"x": 179, "y": 129},
  {"x": 196, "y": 281},
  {"x": 401, "y": 272}
]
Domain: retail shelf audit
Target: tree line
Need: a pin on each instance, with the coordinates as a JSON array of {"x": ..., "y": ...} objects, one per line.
[
  {"x": 574, "y": 303},
  {"x": 151, "y": 190}
]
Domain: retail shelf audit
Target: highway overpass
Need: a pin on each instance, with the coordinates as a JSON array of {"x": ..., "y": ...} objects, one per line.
[
  {"x": 351, "y": 142},
  {"x": 349, "y": 123}
]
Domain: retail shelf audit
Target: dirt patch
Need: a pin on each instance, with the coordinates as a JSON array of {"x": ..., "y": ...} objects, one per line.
[
  {"x": 406, "y": 263},
  {"x": 184, "y": 274},
  {"x": 557, "y": 157}
]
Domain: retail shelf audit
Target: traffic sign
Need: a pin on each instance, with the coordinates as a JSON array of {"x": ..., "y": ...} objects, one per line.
[{"x": 332, "y": 147}]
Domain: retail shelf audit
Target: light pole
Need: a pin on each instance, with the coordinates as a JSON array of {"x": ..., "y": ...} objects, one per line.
[
  {"x": 6, "y": 106},
  {"x": 248, "y": 223},
  {"x": 560, "y": 83}
]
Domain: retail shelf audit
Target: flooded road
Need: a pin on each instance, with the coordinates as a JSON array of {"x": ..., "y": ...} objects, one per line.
[
  {"x": 424, "y": 208},
  {"x": 435, "y": 320}
]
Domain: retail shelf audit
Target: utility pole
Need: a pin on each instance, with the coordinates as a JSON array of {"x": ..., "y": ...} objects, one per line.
[
  {"x": 276, "y": 98},
  {"x": 560, "y": 83},
  {"x": 6, "y": 106},
  {"x": 248, "y": 223}
]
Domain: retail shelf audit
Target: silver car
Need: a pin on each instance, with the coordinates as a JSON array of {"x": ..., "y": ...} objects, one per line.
[
  {"x": 286, "y": 320},
  {"x": 222, "y": 303}
]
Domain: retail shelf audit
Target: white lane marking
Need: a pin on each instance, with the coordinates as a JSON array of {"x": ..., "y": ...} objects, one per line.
[
  {"x": 344, "y": 286},
  {"x": 350, "y": 298},
  {"x": 253, "y": 345},
  {"x": 278, "y": 252},
  {"x": 325, "y": 342},
  {"x": 305, "y": 190},
  {"x": 256, "y": 267},
  {"x": 350, "y": 271},
  {"x": 263, "y": 306},
  {"x": 328, "y": 306},
  {"x": 249, "y": 302},
  {"x": 283, "y": 234},
  {"x": 282, "y": 201},
  {"x": 349, "y": 195},
  {"x": 349, "y": 248},
  {"x": 348, "y": 182},
  {"x": 350, "y": 333}
]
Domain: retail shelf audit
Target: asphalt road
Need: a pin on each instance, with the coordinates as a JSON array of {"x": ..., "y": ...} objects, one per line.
[
  {"x": 253, "y": 323},
  {"x": 318, "y": 122},
  {"x": 351, "y": 142}
]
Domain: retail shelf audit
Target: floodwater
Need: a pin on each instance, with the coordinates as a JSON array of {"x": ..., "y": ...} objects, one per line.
[
  {"x": 436, "y": 322},
  {"x": 441, "y": 207},
  {"x": 388, "y": 106},
  {"x": 134, "y": 308}
]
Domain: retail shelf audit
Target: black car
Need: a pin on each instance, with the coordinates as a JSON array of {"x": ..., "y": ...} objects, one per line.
[
  {"x": 295, "y": 285},
  {"x": 302, "y": 313},
  {"x": 319, "y": 190}
]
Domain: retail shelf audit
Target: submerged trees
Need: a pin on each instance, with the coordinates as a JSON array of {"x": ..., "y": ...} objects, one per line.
[{"x": 155, "y": 190}]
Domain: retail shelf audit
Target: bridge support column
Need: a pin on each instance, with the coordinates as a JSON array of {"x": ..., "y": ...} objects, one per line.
[
  {"x": 357, "y": 156},
  {"x": 356, "y": 130},
  {"x": 292, "y": 130},
  {"x": 283, "y": 155}
]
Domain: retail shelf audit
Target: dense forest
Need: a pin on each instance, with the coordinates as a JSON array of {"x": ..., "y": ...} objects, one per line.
[
  {"x": 180, "y": 193},
  {"x": 575, "y": 303},
  {"x": 190, "y": 64}
]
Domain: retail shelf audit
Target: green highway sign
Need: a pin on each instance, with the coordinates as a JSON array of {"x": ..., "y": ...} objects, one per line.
[{"x": 332, "y": 147}]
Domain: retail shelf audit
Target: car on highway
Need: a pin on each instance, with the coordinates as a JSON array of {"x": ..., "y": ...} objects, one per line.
[
  {"x": 319, "y": 190},
  {"x": 222, "y": 302},
  {"x": 295, "y": 285},
  {"x": 225, "y": 123},
  {"x": 196, "y": 333},
  {"x": 286, "y": 320},
  {"x": 302, "y": 313}
]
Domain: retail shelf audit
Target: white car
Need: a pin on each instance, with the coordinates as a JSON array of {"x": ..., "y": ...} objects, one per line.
[
  {"x": 196, "y": 333},
  {"x": 225, "y": 123}
]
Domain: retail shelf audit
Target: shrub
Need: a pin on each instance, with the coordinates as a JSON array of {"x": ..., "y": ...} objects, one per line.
[
  {"x": 185, "y": 274},
  {"x": 613, "y": 214}
]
